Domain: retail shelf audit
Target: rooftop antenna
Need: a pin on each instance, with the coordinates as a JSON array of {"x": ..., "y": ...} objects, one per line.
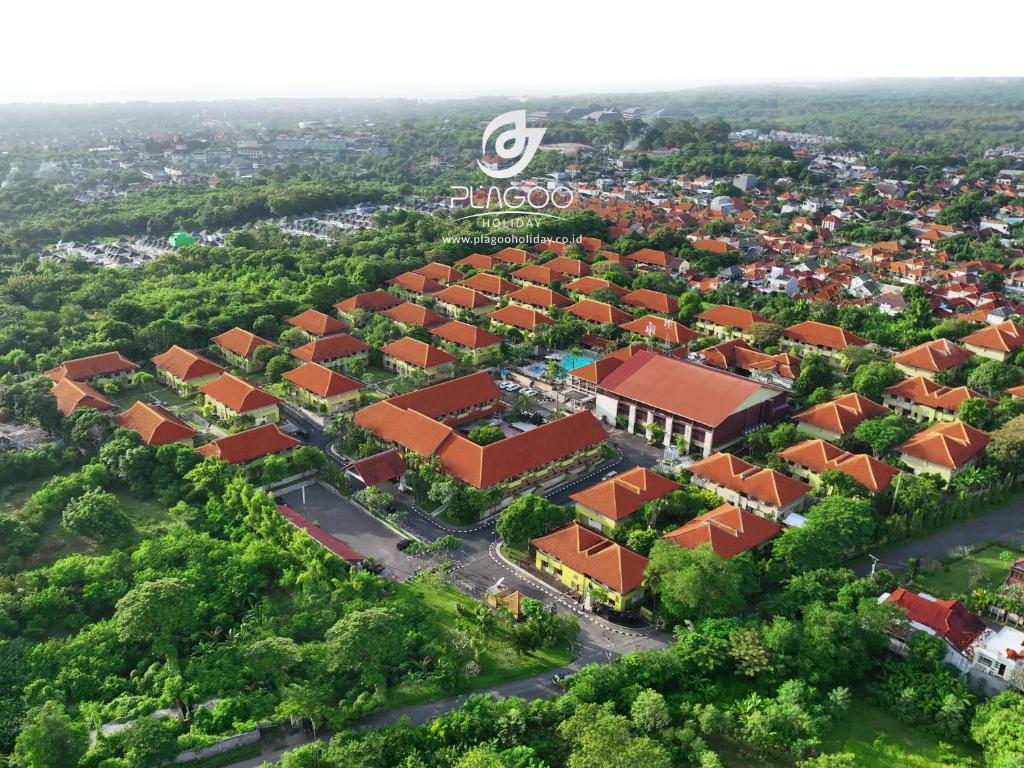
[{"x": 649, "y": 331}]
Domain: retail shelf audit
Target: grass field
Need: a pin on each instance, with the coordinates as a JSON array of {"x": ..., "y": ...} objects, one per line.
[
  {"x": 875, "y": 739},
  {"x": 499, "y": 661},
  {"x": 986, "y": 567}
]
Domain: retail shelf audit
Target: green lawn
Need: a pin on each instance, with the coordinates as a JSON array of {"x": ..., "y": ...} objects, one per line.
[
  {"x": 499, "y": 661},
  {"x": 986, "y": 567},
  {"x": 879, "y": 741}
]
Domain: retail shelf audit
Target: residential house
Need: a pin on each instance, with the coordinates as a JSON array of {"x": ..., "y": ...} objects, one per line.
[
  {"x": 412, "y": 286},
  {"x": 184, "y": 371},
  {"x": 491, "y": 286},
  {"x": 810, "y": 458},
  {"x": 155, "y": 425},
  {"x": 608, "y": 503},
  {"x": 661, "y": 329},
  {"x": 651, "y": 258},
  {"x": 321, "y": 389},
  {"x": 481, "y": 345},
  {"x": 538, "y": 274},
  {"x": 727, "y": 322},
  {"x": 440, "y": 272},
  {"x": 250, "y": 446},
  {"x": 408, "y": 315},
  {"x": 235, "y": 398},
  {"x": 456, "y": 299},
  {"x": 827, "y": 340},
  {"x": 922, "y": 399},
  {"x": 763, "y": 491},
  {"x": 838, "y": 417},
  {"x": 526, "y": 320},
  {"x": 585, "y": 286},
  {"x": 932, "y": 357},
  {"x": 512, "y": 256},
  {"x": 947, "y": 619},
  {"x": 94, "y": 369},
  {"x": 239, "y": 346},
  {"x": 653, "y": 301},
  {"x": 478, "y": 261},
  {"x": 569, "y": 267},
  {"x": 587, "y": 562},
  {"x": 535, "y": 297},
  {"x": 355, "y": 309},
  {"x": 338, "y": 352},
  {"x": 315, "y": 324},
  {"x": 727, "y": 529},
  {"x": 594, "y": 314},
  {"x": 408, "y": 355},
  {"x": 779, "y": 370},
  {"x": 944, "y": 449},
  {"x": 996, "y": 342},
  {"x": 72, "y": 395}
]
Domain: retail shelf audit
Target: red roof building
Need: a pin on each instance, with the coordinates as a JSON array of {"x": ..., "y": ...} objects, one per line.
[
  {"x": 250, "y": 445},
  {"x": 371, "y": 301},
  {"x": 456, "y": 298},
  {"x": 653, "y": 301},
  {"x": 71, "y": 395},
  {"x": 932, "y": 357},
  {"x": 415, "y": 353},
  {"x": 821, "y": 337},
  {"x": 332, "y": 350},
  {"x": 598, "y": 313},
  {"x": 512, "y": 256},
  {"x": 524, "y": 318},
  {"x": 538, "y": 274},
  {"x": 492, "y": 286},
  {"x": 539, "y": 298},
  {"x": 316, "y": 323},
  {"x": 237, "y": 395},
  {"x": 440, "y": 272},
  {"x": 569, "y": 267},
  {"x": 922, "y": 399},
  {"x": 997, "y": 342},
  {"x": 589, "y": 284},
  {"x": 466, "y": 336},
  {"x": 667, "y": 331},
  {"x": 185, "y": 366},
  {"x": 409, "y": 314},
  {"x": 944, "y": 448},
  {"x": 839, "y": 417},
  {"x": 477, "y": 261},
  {"x": 651, "y": 257},
  {"x": 601, "y": 560},
  {"x": 762, "y": 491},
  {"x": 384, "y": 467},
  {"x": 331, "y": 543},
  {"x": 107, "y": 365},
  {"x": 722, "y": 319},
  {"x": 812, "y": 457},
  {"x": 948, "y": 619},
  {"x": 618, "y": 497},
  {"x": 415, "y": 283},
  {"x": 241, "y": 343},
  {"x": 728, "y": 530},
  {"x": 321, "y": 381},
  {"x": 155, "y": 425}
]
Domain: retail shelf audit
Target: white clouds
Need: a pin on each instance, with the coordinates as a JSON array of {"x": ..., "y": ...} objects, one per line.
[{"x": 187, "y": 49}]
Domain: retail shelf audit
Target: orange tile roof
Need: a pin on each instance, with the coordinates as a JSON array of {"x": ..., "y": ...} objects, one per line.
[
  {"x": 598, "y": 312},
  {"x": 728, "y": 530},
  {"x": 512, "y": 255},
  {"x": 1002, "y": 337},
  {"x": 465, "y": 335},
  {"x": 567, "y": 266},
  {"x": 371, "y": 301},
  {"x": 619, "y": 497},
  {"x": 91, "y": 367},
  {"x": 823, "y": 335},
  {"x": 934, "y": 356},
  {"x": 249, "y": 445},
  {"x": 491, "y": 285},
  {"x": 416, "y": 353},
  {"x": 947, "y": 444},
  {"x": 186, "y": 365},
  {"x": 416, "y": 283},
  {"x": 587, "y": 285},
  {"x": 655, "y": 301},
  {"x": 949, "y": 619},
  {"x": 243, "y": 343},
  {"x": 408, "y": 313},
  {"x": 663, "y": 328},
  {"x": 924, "y": 391},
  {"x": 595, "y": 556},
  {"x": 538, "y": 274},
  {"x": 820, "y": 456},
  {"x": 71, "y": 394},
  {"x": 335, "y": 347},
  {"x": 841, "y": 415},
  {"x": 400, "y": 420},
  {"x": 698, "y": 393},
  {"x": 317, "y": 323},
  {"x": 542, "y": 298},
  {"x": 766, "y": 485},
  {"x": 651, "y": 256},
  {"x": 440, "y": 272},
  {"x": 475, "y": 396},
  {"x": 460, "y": 296},
  {"x": 712, "y": 246},
  {"x": 526, "y": 318},
  {"x": 477, "y": 261},
  {"x": 731, "y": 317},
  {"x": 238, "y": 394},
  {"x": 321, "y": 381},
  {"x": 155, "y": 425}
]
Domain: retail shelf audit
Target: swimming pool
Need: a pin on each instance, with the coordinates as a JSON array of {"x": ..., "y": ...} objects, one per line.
[{"x": 571, "y": 362}]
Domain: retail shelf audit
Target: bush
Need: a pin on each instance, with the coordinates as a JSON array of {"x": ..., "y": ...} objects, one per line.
[{"x": 95, "y": 513}]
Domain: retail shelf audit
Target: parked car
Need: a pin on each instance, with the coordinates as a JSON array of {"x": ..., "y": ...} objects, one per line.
[
  {"x": 512, "y": 387},
  {"x": 530, "y": 391},
  {"x": 609, "y": 475}
]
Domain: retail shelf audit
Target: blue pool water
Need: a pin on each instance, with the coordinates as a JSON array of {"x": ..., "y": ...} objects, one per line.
[{"x": 571, "y": 362}]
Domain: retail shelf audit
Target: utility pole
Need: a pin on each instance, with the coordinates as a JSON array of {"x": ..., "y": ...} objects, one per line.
[{"x": 874, "y": 563}]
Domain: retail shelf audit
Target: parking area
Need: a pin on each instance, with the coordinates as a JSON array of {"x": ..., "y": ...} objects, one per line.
[{"x": 361, "y": 531}]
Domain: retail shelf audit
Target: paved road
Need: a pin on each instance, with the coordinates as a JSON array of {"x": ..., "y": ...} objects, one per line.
[{"x": 1002, "y": 525}]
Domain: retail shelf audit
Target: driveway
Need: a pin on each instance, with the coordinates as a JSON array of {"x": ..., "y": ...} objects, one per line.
[{"x": 360, "y": 530}]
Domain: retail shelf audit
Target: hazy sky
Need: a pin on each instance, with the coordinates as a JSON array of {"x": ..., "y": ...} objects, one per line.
[{"x": 115, "y": 50}]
